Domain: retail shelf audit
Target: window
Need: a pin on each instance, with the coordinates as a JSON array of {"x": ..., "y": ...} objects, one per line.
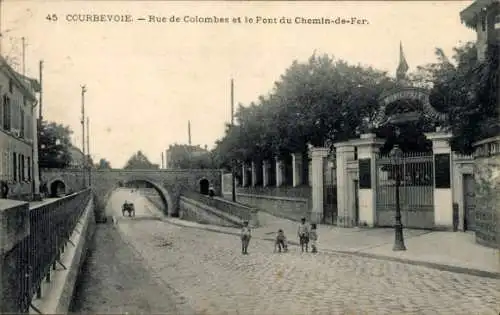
[
  {"x": 6, "y": 113},
  {"x": 29, "y": 168},
  {"x": 11, "y": 86},
  {"x": 14, "y": 167},
  {"x": 21, "y": 129}
]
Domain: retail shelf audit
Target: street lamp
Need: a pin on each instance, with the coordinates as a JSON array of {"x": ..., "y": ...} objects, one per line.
[{"x": 396, "y": 156}]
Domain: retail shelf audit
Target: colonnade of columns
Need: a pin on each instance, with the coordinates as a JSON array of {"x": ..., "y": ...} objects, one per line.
[
  {"x": 273, "y": 173},
  {"x": 349, "y": 172}
]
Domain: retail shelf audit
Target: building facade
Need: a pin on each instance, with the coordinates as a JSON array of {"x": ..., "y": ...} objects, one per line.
[
  {"x": 484, "y": 17},
  {"x": 178, "y": 152},
  {"x": 17, "y": 99}
]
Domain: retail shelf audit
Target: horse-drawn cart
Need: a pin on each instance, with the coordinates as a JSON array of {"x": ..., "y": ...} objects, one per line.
[{"x": 128, "y": 207}]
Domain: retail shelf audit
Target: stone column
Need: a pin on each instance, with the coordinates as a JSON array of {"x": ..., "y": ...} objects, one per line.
[
  {"x": 297, "y": 169},
  {"x": 318, "y": 159},
  {"x": 344, "y": 152},
  {"x": 368, "y": 148},
  {"x": 443, "y": 192},
  {"x": 244, "y": 177},
  {"x": 280, "y": 178},
  {"x": 265, "y": 173},
  {"x": 10, "y": 236},
  {"x": 254, "y": 174}
]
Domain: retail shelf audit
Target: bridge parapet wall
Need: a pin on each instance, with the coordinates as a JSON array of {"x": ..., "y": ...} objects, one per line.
[{"x": 171, "y": 182}]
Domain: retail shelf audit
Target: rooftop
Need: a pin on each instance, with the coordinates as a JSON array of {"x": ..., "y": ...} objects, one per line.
[{"x": 469, "y": 14}]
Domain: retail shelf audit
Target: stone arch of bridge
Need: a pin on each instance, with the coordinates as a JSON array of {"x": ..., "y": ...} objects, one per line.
[
  {"x": 56, "y": 187},
  {"x": 162, "y": 191}
]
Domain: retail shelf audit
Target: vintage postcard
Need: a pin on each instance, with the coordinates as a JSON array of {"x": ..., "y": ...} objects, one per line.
[{"x": 249, "y": 157}]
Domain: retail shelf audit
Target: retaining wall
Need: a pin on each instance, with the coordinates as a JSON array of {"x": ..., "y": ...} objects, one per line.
[{"x": 58, "y": 293}]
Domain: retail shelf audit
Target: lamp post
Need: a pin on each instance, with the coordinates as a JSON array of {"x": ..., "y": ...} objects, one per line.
[{"x": 399, "y": 243}]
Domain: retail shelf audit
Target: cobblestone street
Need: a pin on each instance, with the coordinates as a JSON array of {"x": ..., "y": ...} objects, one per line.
[
  {"x": 209, "y": 271},
  {"x": 158, "y": 267},
  {"x": 115, "y": 280}
]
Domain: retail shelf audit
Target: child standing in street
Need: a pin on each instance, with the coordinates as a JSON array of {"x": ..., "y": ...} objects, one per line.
[
  {"x": 245, "y": 238},
  {"x": 281, "y": 242},
  {"x": 313, "y": 236},
  {"x": 303, "y": 234}
]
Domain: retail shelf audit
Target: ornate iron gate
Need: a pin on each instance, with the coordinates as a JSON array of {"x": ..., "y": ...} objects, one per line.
[
  {"x": 416, "y": 174},
  {"x": 329, "y": 195}
]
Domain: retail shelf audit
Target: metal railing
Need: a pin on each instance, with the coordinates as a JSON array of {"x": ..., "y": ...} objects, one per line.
[{"x": 51, "y": 226}]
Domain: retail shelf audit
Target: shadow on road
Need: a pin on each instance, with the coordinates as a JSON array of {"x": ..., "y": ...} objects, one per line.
[{"x": 114, "y": 280}]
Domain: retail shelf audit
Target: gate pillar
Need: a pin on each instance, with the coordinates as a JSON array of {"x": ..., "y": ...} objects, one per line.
[
  {"x": 244, "y": 175},
  {"x": 443, "y": 192},
  {"x": 318, "y": 161},
  {"x": 297, "y": 169},
  {"x": 344, "y": 152},
  {"x": 280, "y": 172},
  {"x": 265, "y": 173},
  {"x": 254, "y": 174},
  {"x": 368, "y": 148}
]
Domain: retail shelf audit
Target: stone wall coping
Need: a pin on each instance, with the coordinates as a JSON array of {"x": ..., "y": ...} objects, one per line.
[
  {"x": 273, "y": 197},
  {"x": 220, "y": 214},
  {"x": 6, "y": 204},
  {"x": 14, "y": 223},
  {"x": 487, "y": 140},
  {"x": 239, "y": 205}
]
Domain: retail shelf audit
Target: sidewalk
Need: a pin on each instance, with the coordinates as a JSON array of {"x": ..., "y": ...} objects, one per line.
[{"x": 451, "y": 251}]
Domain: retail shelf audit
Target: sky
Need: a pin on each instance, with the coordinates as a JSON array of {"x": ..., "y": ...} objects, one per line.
[{"x": 145, "y": 80}]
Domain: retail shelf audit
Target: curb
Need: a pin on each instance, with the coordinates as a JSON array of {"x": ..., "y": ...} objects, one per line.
[{"x": 432, "y": 265}]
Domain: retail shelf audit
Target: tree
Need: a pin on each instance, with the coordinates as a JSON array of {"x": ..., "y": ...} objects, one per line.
[
  {"x": 320, "y": 101},
  {"x": 103, "y": 165},
  {"x": 54, "y": 145},
  {"x": 140, "y": 161},
  {"x": 466, "y": 90}
]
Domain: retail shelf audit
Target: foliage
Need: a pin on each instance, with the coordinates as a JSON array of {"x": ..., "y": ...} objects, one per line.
[
  {"x": 320, "y": 101},
  {"x": 54, "y": 145},
  {"x": 189, "y": 157},
  {"x": 140, "y": 161},
  {"x": 103, "y": 165},
  {"x": 325, "y": 100},
  {"x": 466, "y": 89}
]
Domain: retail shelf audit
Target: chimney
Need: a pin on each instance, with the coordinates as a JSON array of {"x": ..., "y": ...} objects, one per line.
[{"x": 189, "y": 132}]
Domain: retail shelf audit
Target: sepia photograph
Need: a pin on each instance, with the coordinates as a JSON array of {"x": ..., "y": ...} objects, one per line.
[{"x": 249, "y": 157}]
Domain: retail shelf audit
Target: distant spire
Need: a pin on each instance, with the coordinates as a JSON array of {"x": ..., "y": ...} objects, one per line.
[
  {"x": 189, "y": 132},
  {"x": 403, "y": 65}
]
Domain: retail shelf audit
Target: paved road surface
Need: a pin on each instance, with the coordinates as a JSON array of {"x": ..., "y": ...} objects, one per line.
[{"x": 208, "y": 270}]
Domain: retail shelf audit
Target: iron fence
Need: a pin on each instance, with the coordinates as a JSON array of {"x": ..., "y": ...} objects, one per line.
[
  {"x": 32, "y": 260},
  {"x": 416, "y": 175}
]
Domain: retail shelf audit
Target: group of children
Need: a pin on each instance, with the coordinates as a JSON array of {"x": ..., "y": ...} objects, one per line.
[{"x": 305, "y": 234}]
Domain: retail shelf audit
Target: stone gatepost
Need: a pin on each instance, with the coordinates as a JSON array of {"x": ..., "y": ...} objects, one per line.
[
  {"x": 244, "y": 175},
  {"x": 297, "y": 169},
  {"x": 318, "y": 161},
  {"x": 344, "y": 152},
  {"x": 14, "y": 228},
  {"x": 280, "y": 172},
  {"x": 368, "y": 149},
  {"x": 254, "y": 174},
  {"x": 443, "y": 192},
  {"x": 265, "y": 173}
]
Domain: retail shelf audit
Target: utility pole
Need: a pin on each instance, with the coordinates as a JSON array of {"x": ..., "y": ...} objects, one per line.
[
  {"x": 1, "y": 33},
  {"x": 88, "y": 152},
  {"x": 40, "y": 115},
  {"x": 24, "y": 55},
  {"x": 84, "y": 90},
  {"x": 233, "y": 172},
  {"x": 37, "y": 123},
  {"x": 162, "y": 161}
]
